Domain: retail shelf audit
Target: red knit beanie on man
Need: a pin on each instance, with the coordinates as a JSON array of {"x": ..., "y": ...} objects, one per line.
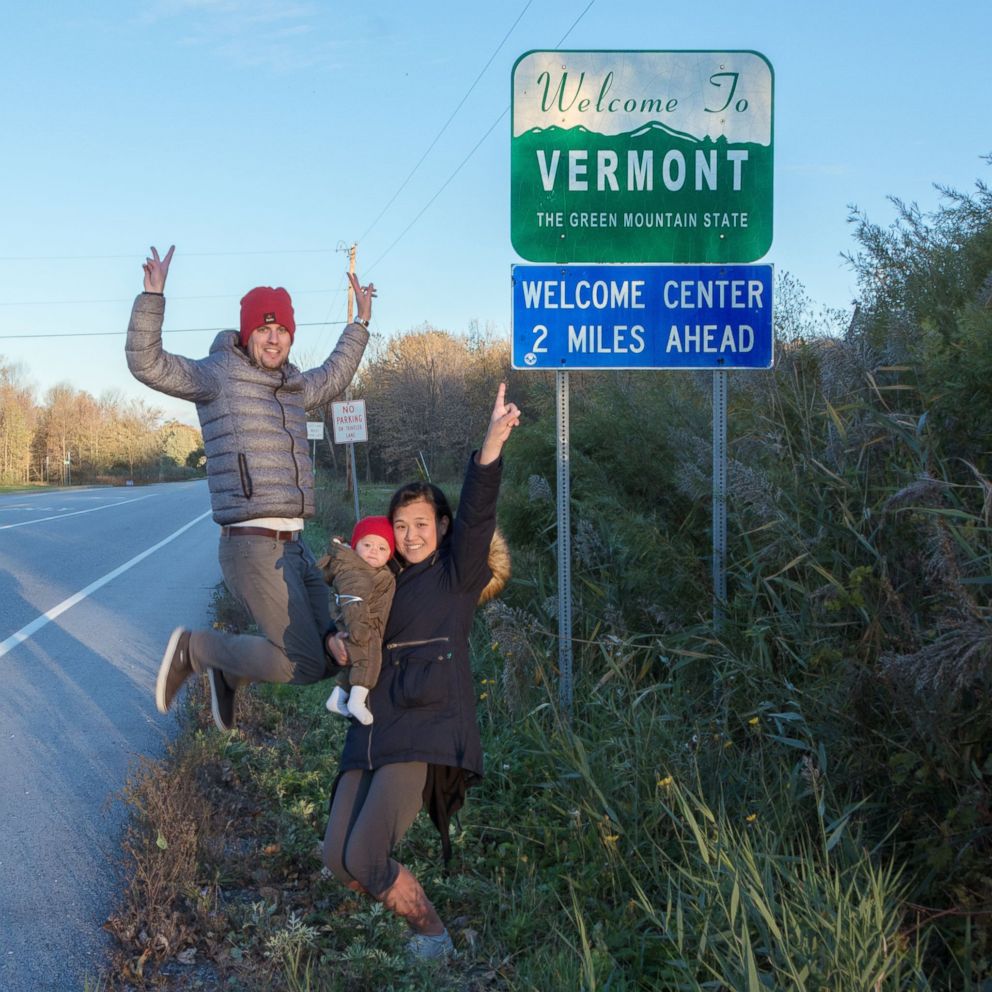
[
  {"x": 380, "y": 526},
  {"x": 265, "y": 305}
]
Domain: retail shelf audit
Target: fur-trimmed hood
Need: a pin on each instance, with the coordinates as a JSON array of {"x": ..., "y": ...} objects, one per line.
[{"x": 499, "y": 565}]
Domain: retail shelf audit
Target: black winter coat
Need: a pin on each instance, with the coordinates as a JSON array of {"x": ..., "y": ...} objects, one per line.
[{"x": 424, "y": 703}]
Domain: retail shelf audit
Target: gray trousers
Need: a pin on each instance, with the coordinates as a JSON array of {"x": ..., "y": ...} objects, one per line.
[
  {"x": 370, "y": 814},
  {"x": 279, "y": 584}
]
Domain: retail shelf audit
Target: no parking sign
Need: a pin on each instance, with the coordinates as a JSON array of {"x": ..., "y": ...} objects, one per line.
[{"x": 350, "y": 425}]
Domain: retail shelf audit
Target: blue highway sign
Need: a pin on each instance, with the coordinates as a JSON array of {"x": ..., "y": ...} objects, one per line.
[{"x": 642, "y": 316}]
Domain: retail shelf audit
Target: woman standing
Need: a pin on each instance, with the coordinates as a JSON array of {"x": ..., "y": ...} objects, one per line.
[{"x": 423, "y": 745}]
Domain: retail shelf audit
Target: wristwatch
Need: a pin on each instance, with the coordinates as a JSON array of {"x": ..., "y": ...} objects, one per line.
[{"x": 362, "y": 321}]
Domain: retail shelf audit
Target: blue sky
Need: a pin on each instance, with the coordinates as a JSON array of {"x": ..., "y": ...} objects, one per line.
[{"x": 259, "y": 136}]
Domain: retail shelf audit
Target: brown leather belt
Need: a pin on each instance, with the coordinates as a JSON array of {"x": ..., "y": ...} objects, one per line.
[{"x": 276, "y": 535}]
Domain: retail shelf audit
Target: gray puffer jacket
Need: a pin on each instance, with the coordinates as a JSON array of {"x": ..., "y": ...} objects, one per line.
[{"x": 253, "y": 419}]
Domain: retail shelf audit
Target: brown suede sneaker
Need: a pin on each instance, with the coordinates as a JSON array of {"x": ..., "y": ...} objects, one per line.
[{"x": 176, "y": 667}]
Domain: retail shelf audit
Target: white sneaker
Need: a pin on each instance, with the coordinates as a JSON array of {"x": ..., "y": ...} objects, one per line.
[{"x": 425, "y": 947}]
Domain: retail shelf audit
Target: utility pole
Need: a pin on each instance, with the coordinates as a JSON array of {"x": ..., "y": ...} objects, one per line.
[
  {"x": 351, "y": 292},
  {"x": 351, "y": 471}
]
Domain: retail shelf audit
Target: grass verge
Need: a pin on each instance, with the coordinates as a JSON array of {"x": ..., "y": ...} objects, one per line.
[{"x": 631, "y": 849}]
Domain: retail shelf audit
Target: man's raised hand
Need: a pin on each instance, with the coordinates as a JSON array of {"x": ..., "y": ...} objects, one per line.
[
  {"x": 363, "y": 297},
  {"x": 157, "y": 270}
]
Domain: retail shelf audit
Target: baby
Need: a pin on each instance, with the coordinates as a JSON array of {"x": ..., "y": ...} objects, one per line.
[{"x": 363, "y": 587}]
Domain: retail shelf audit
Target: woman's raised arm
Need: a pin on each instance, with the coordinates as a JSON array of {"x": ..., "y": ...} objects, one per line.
[{"x": 505, "y": 417}]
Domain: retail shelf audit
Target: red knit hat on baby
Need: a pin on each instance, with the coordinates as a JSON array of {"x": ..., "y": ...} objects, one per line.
[
  {"x": 380, "y": 526},
  {"x": 265, "y": 305}
]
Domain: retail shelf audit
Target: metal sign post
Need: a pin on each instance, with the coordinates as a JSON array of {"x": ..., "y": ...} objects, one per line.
[
  {"x": 315, "y": 433},
  {"x": 564, "y": 550},
  {"x": 354, "y": 480},
  {"x": 719, "y": 497}
]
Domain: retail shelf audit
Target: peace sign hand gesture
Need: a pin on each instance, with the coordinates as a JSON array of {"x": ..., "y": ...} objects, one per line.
[
  {"x": 157, "y": 270},
  {"x": 363, "y": 297}
]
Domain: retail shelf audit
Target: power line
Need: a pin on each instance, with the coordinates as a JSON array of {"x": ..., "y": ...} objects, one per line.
[
  {"x": 444, "y": 127},
  {"x": 168, "y": 330},
  {"x": 576, "y": 21},
  {"x": 443, "y": 187},
  {"x": 186, "y": 254},
  {"x": 212, "y": 296},
  {"x": 475, "y": 148}
]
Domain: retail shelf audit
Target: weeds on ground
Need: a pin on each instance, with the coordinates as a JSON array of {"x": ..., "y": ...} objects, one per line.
[
  {"x": 650, "y": 850},
  {"x": 640, "y": 847}
]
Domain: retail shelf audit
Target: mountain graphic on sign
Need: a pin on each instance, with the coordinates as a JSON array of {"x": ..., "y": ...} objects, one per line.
[
  {"x": 554, "y": 128},
  {"x": 653, "y": 127},
  {"x": 653, "y": 133}
]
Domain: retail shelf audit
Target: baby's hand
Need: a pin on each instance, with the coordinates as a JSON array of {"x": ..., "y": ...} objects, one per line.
[{"x": 336, "y": 648}]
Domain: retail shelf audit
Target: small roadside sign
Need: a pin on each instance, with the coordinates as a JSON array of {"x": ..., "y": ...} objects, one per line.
[
  {"x": 315, "y": 430},
  {"x": 641, "y": 156},
  {"x": 350, "y": 425},
  {"x": 642, "y": 317}
]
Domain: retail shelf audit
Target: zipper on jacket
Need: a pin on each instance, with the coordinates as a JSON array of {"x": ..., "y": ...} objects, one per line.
[
  {"x": 414, "y": 644},
  {"x": 368, "y": 754},
  {"x": 246, "y": 485}
]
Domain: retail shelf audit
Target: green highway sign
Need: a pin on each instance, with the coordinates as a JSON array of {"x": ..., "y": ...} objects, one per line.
[{"x": 641, "y": 156}]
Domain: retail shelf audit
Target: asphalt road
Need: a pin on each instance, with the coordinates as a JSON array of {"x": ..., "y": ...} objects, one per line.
[{"x": 91, "y": 583}]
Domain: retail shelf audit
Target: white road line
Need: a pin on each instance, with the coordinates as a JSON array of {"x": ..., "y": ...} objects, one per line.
[
  {"x": 50, "y": 492},
  {"x": 75, "y": 513},
  {"x": 25, "y": 632}
]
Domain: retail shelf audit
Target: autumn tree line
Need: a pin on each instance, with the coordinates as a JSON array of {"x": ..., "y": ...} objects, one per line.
[{"x": 71, "y": 437}]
